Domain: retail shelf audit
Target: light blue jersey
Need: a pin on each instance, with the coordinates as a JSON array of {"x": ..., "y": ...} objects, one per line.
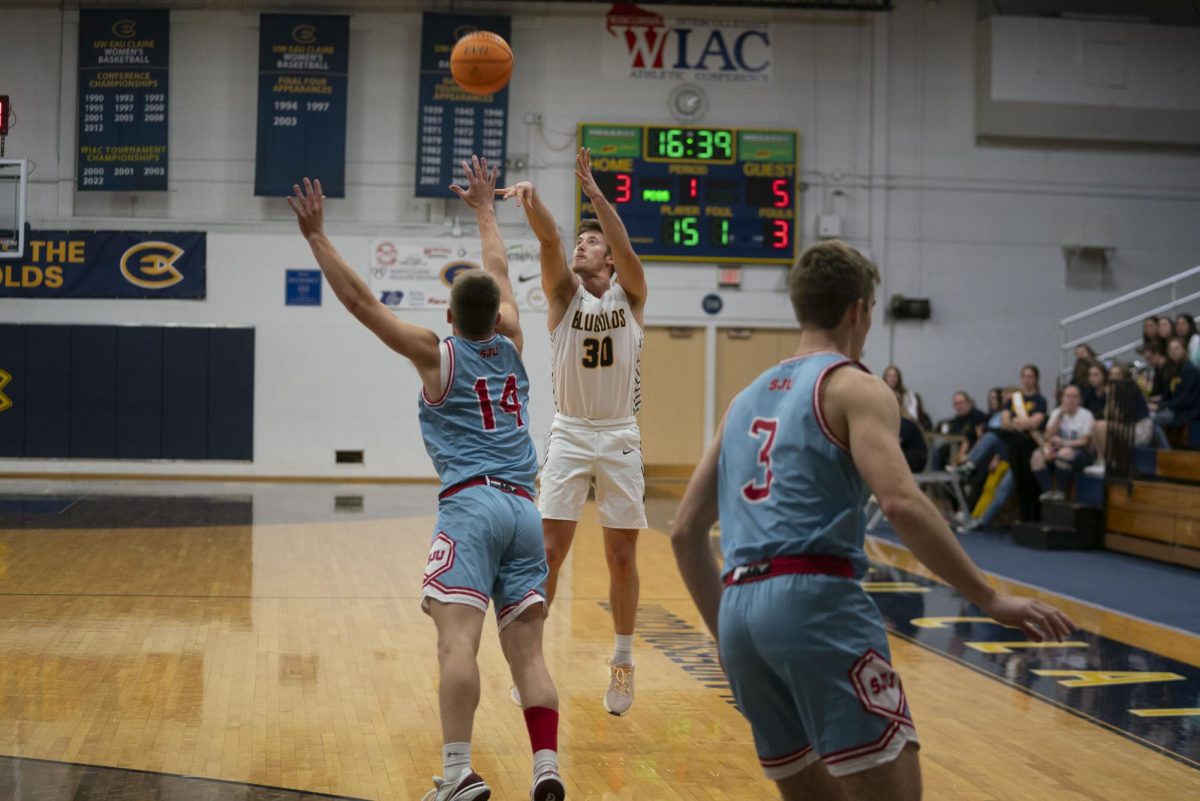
[
  {"x": 786, "y": 486},
  {"x": 480, "y": 425},
  {"x": 806, "y": 653}
]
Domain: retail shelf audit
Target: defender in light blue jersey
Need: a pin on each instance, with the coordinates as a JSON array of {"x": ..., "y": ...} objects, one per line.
[
  {"x": 788, "y": 473},
  {"x": 487, "y": 543}
]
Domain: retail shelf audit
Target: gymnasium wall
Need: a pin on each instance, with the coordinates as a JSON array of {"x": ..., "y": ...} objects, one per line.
[{"x": 885, "y": 107}]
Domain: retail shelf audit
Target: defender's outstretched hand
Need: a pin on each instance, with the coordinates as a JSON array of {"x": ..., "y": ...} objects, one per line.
[
  {"x": 481, "y": 183},
  {"x": 583, "y": 171},
  {"x": 1038, "y": 619},
  {"x": 309, "y": 206},
  {"x": 522, "y": 191}
]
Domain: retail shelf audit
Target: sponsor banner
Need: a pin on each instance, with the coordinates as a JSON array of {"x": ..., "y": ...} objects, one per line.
[
  {"x": 412, "y": 274},
  {"x": 107, "y": 264},
  {"x": 303, "y": 61},
  {"x": 453, "y": 124},
  {"x": 645, "y": 45},
  {"x": 123, "y": 58}
]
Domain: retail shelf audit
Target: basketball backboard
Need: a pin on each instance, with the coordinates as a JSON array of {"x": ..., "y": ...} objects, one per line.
[{"x": 14, "y": 175}]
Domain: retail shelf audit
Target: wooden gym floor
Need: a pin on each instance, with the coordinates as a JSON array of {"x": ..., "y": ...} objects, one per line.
[{"x": 181, "y": 642}]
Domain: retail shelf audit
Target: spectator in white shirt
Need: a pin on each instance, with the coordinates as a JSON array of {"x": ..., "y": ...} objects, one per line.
[{"x": 1068, "y": 434}]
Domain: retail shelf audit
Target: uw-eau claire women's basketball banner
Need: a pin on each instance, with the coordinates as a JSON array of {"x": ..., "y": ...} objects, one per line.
[
  {"x": 303, "y": 79},
  {"x": 107, "y": 264}
]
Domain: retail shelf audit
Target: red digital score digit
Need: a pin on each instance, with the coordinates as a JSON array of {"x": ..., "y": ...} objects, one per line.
[
  {"x": 779, "y": 189},
  {"x": 693, "y": 189},
  {"x": 780, "y": 234},
  {"x": 624, "y": 187}
]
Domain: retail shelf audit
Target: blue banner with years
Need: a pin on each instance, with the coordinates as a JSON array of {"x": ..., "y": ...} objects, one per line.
[
  {"x": 123, "y": 98},
  {"x": 303, "y": 64},
  {"x": 107, "y": 264}
]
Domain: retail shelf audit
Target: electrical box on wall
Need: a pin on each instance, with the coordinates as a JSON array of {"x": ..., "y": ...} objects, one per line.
[{"x": 829, "y": 226}]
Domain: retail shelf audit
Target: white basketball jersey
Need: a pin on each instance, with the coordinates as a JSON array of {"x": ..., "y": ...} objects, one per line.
[{"x": 595, "y": 356}]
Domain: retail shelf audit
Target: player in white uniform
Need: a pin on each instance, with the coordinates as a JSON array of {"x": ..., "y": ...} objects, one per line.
[{"x": 596, "y": 325}]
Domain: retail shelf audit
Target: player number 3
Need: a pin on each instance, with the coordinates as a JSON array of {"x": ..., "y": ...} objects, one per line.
[{"x": 752, "y": 490}]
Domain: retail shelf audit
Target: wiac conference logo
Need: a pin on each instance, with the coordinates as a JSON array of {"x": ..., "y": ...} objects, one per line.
[
  {"x": 705, "y": 47},
  {"x": 151, "y": 265}
]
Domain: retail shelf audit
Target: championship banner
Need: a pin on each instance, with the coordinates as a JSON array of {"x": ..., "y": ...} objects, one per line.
[
  {"x": 454, "y": 124},
  {"x": 123, "y": 59},
  {"x": 411, "y": 274},
  {"x": 303, "y": 63},
  {"x": 107, "y": 264}
]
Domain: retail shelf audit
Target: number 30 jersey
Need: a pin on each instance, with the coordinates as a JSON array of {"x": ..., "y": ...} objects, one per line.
[
  {"x": 595, "y": 357},
  {"x": 786, "y": 486},
  {"x": 480, "y": 424}
]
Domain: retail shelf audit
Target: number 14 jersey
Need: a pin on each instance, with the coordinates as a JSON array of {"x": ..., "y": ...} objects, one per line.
[
  {"x": 480, "y": 424},
  {"x": 786, "y": 486},
  {"x": 595, "y": 357}
]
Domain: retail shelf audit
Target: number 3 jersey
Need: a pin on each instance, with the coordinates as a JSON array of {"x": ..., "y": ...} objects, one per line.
[
  {"x": 480, "y": 424},
  {"x": 595, "y": 357},
  {"x": 785, "y": 485}
]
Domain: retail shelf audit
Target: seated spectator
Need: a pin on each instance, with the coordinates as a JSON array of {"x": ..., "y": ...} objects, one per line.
[
  {"x": 910, "y": 401},
  {"x": 1085, "y": 357},
  {"x": 1185, "y": 329},
  {"x": 1015, "y": 441},
  {"x": 1149, "y": 331},
  {"x": 1021, "y": 432},
  {"x": 1119, "y": 377},
  {"x": 1065, "y": 451},
  {"x": 1155, "y": 383},
  {"x": 1166, "y": 329},
  {"x": 912, "y": 443},
  {"x": 1095, "y": 391},
  {"x": 968, "y": 422},
  {"x": 1180, "y": 402}
]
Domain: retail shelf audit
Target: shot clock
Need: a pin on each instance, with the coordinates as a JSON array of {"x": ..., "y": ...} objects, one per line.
[{"x": 696, "y": 194}]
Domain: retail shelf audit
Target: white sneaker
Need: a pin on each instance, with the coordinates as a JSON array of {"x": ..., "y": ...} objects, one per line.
[
  {"x": 1094, "y": 470},
  {"x": 548, "y": 786},
  {"x": 1051, "y": 495},
  {"x": 514, "y": 695},
  {"x": 619, "y": 696},
  {"x": 468, "y": 787}
]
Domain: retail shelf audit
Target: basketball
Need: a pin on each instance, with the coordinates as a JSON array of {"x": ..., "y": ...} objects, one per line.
[{"x": 481, "y": 63}]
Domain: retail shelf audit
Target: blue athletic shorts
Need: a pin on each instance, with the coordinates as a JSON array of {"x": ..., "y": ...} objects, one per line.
[
  {"x": 487, "y": 545},
  {"x": 807, "y": 657}
]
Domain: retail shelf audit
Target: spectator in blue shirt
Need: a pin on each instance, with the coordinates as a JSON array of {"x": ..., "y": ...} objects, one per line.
[{"x": 1180, "y": 402}]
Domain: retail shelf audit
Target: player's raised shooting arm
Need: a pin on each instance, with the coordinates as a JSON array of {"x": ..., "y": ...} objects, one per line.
[
  {"x": 694, "y": 519},
  {"x": 866, "y": 409},
  {"x": 558, "y": 282},
  {"x": 420, "y": 345},
  {"x": 480, "y": 195},
  {"x": 630, "y": 271}
]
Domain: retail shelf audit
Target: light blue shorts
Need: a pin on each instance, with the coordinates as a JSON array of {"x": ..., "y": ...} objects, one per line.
[
  {"x": 807, "y": 657},
  {"x": 487, "y": 545}
]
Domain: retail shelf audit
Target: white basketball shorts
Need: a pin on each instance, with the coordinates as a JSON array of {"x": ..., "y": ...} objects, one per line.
[{"x": 609, "y": 451}]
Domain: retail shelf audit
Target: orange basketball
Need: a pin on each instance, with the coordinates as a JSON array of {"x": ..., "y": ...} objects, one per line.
[{"x": 481, "y": 63}]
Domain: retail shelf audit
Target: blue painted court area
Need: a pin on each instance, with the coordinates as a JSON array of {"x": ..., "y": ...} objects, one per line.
[{"x": 1158, "y": 592}]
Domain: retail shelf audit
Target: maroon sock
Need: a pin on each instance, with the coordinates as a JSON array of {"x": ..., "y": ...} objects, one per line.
[{"x": 542, "y": 723}]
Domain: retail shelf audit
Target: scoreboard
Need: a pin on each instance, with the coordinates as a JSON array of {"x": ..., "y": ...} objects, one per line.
[{"x": 695, "y": 194}]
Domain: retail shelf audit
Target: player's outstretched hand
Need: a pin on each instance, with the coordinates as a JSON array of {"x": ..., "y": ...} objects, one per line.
[
  {"x": 309, "y": 206},
  {"x": 1038, "y": 619},
  {"x": 583, "y": 171},
  {"x": 522, "y": 191},
  {"x": 481, "y": 183}
]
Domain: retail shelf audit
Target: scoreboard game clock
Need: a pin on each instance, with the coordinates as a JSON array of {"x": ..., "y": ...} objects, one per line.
[{"x": 697, "y": 194}]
